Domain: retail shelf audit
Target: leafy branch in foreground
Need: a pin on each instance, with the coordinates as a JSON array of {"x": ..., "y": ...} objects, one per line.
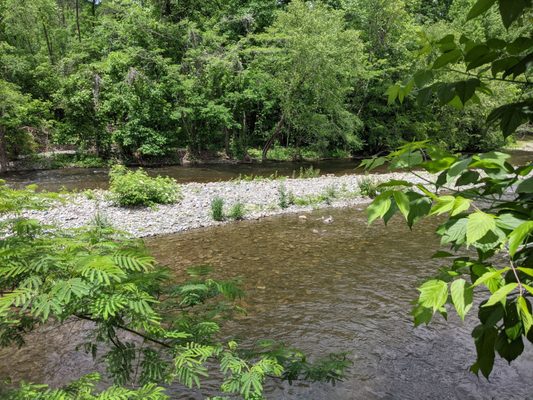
[
  {"x": 488, "y": 204},
  {"x": 96, "y": 274}
]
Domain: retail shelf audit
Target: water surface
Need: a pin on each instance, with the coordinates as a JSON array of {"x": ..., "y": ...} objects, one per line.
[
  {"x": 97, "y": 178},
  {"x": 320, "y": 287}
]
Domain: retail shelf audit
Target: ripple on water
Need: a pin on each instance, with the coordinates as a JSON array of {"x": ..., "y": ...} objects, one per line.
[{"x": 348, "y": 288}]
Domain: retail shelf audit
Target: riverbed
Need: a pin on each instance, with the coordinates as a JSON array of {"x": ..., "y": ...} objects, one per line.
[{"x": 321, "y": 287}]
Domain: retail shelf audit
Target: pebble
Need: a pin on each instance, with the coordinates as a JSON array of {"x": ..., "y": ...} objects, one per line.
[{"x": 260, "y": 198}]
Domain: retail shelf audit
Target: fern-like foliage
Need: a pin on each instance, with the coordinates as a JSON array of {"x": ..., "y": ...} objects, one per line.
[{"x": 147, "y": 328}]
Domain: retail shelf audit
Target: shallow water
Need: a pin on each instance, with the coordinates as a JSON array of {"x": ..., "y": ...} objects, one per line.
[
  {"x": 321, "y": 287},
  {"x": 97, "y": 178}
]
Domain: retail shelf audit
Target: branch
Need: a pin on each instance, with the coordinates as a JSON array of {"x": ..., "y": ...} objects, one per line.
[
  {"x": 125, "y": 328},
  {"x": 527, "y": 83}
]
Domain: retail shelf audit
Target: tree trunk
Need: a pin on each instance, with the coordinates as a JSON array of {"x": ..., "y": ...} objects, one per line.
[
  {"x": 227, "y": 142},
  {"x": 78, "y": 19},
  {"x": 275, "y": 134},
  {"x": 3, "y": 151},
  {"x": 94, "y": 8},
  {"x": 48, "y": 44}
]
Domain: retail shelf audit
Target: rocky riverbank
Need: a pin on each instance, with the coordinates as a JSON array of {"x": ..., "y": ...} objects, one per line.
[{"x": 260, "y": 199}]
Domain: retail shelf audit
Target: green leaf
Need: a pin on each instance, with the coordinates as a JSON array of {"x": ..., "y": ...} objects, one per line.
[
  {"x": 466, "y": 89},
  {"x": 518, "y": 235},
  {"x": 490, "y": 275},
  {"x": 525, "y": 186},
  {"x": 510, "y": 10},
  {"x": 519, "y": 45},
  {"x": 479, "y": 8},
  {"x": 423, "y": 77},
  {"x": 444, "y": 204},
  {"x": 447, "y": 58},
  {"x": 392, "y": 93},
  {"x": 501, "y": 294},
  {"x": 467, "y": 178},
  {"x": 461, "y": 297},
  {"x": 479, "y": 224},
  {"x": 525, "y": 314},
  {"x": 402, "y": 201},
  {"x": 485, "y": 339},
  {"x": 379, "y": 207},
  {"x": 460, "y": 204},
  {"x": 433, "y": 294}
]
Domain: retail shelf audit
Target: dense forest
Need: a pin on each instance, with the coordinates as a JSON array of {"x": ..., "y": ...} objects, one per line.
[{"x": 141, "y": 79}]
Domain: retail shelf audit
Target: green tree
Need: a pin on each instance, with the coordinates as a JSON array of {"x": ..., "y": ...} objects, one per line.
[{"x": 315, "y": 62}]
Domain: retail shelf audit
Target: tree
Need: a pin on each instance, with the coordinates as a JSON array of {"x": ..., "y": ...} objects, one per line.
[
  {"x": 314, "y": 62},
  {"x": 17, "y": 112},
  {"x": 488, "y": 203}
]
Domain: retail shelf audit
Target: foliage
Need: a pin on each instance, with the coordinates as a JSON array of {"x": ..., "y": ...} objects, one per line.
[
  {"x": 309, "y": 172},
  {"x": 487, "y": 201},
  {"x": 284, "y": 199},
  {"x": 368, "y": 186},
  {"x": 136, "y": 82},
  {"x": 237, "y": 211},
  {"x": 217, "y": 209},
  {"x": 100, "y": 275},
  {"x": 136, "y": 188}
]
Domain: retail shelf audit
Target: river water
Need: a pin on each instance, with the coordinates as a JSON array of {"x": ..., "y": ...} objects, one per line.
[
  {"x": 320, "y": 287},
  {"x": 97, "y": 178}
]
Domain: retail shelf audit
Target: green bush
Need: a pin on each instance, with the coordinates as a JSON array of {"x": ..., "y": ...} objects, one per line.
[
  {"x": 284, "y": 199},
  {"x": 305, "y": 173},
  {"x": 369, "y": 187},
  {"x": 136, "y": 188},
  {"x": 217, "y": 209},
  {"x": 237, "y": 212}
]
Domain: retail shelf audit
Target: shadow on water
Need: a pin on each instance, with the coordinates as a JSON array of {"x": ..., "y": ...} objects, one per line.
[{"x": 322, "y": 288}]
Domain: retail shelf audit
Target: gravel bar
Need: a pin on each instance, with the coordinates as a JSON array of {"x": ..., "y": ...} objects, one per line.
[{"x": 260, "y": 198}]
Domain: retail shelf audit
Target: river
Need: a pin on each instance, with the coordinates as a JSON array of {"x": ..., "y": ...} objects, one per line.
[
  {"x": 97, "y": 178},
  {"x": 320, "y": 287}
]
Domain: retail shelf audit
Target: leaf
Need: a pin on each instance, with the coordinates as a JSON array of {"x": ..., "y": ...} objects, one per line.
[
  {"x": 392, "y": 93},
  {"x": 510, "y": 10},
  {"x": 525, "y": 314},
  {"x": 509, "y": 349},
  {"x": 525, "y": 186},
  {"x": 485, "y": 339},
  {"x": 519, "y": 45},
  {"x": 501, "y": 294},
  {"x": 402, "y": 201},
  {"x": 467, "y": 178},
  {"x": 479, "y": 8},
  {"x": 444, "y": 204},
  {"x": 490, "y": 275},
  {"x": 433, "y": 294},
  {"x": 423, "y": 77},
  {"x": 460, "y": 204},
  {"x": 379, "y": 207},
  {"x": 466, "y": 89},
  {"x": 447, "y": 58},
  {"x": 461, "y": 297},
  {"x": 478, "y": 225},
  {"x": 518, "y": 235}
]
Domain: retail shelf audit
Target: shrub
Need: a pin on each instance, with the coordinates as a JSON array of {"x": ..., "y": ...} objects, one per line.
[
  {"x": 284, "y": 199},
  {"x": 136, "y": 188},
  {"x": 309, "y": 172},
  {"x": 217, "y": 209},
  {"x": 369, "y": 187},
  {"x": 237, "y": 211}
]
